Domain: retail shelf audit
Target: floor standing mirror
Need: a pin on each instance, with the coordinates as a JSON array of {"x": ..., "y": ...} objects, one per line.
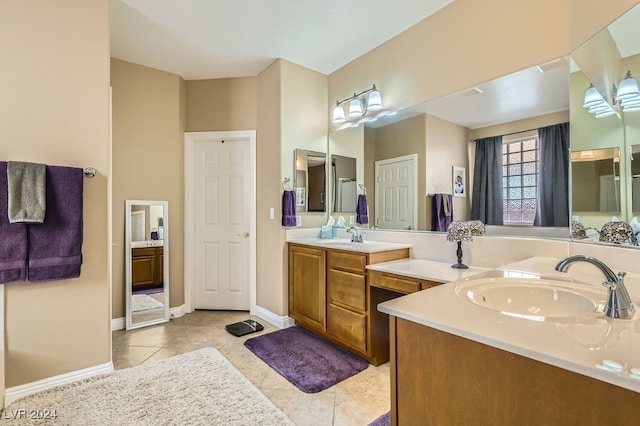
[{"x": 147, "y": 263}]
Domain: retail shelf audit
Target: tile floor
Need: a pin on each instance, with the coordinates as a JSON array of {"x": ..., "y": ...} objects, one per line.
[{"x": 356, "y": 401}]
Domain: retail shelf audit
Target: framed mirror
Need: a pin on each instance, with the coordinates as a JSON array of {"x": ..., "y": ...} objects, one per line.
[
  {"x": 146, "y": 263},
  {"x": 311, "y": 180}
]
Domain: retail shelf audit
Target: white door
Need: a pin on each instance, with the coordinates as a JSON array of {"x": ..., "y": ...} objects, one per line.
[
  {"x": 397, "y": 192},
  {"x": 223, "y": 202}
]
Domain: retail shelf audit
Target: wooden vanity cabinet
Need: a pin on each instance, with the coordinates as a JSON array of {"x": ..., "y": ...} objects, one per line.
[
  {"x": 147, "y": 267},
  {"x": 307, "y": 286},
  {"x": 449, "y": 379},
  {"x": 385, "y": 286},
  {"x": 328, "y": 294}
]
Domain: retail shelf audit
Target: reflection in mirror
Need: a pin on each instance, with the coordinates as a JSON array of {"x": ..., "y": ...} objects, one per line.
[
  {"x": 147, "y": 263},
  {"x": 635, "y": 179},
  {"x": 596, "y": 187},
  {"x": 438, "y": 132},
  {"x": 603, "y": 61},
  {"x": 344, "y": 184},
  {"x": 310, "y": 181}
]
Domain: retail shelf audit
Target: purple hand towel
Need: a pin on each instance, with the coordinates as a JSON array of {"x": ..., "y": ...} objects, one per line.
[
  {"x": 362, "y": 213},
  {"x": 441, "y": 217},
  {"x": 55, "y": 246},
  {"x": 13, "y": 238},
  {"x": 288, "y": 208}
]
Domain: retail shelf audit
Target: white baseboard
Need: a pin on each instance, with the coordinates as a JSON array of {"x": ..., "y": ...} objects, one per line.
[
  {"x": 273, "y": 319},
  {"x": 11, "y": 394},
  {"x": 117, "y": 324},
  {"x": 177, "y": 312}
]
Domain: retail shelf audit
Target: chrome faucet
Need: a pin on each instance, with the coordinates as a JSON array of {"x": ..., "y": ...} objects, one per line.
[
  {"x": 618, "y": 303},
  {"x": 356, "y": 237}
]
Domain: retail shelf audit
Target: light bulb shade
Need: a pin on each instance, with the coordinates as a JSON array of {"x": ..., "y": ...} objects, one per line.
[
  {"x": 338, "y": 115},
  {"x": 631, "y": 108},
  {"x": 592, "y": 97},
  {"x": 355, "y": 108},
  {"x": 630, "y": 101},
  {"x": 599, "y": 108},
  {"x": 375, "y": 101},
  {"x": 606, "y": 113},
  {"x": 628, "y": 88}
]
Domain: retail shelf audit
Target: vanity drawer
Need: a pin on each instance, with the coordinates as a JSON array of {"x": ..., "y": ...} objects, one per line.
[
  {"x": 143, "y": 251},
  {"x": 347, "y": 289},
  {"x": 353, "y": 262},
  {"x": 402, "y": 285},
  {"x": 347, "y": 327}
]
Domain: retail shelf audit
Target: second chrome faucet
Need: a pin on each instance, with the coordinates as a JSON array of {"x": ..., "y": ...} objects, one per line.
[{"x": 619, "y": 304}]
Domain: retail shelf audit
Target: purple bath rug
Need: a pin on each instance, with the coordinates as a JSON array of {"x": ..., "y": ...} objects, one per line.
[
  {"x": 309, "y": 362},
  {"x": 383, "y": 420}
]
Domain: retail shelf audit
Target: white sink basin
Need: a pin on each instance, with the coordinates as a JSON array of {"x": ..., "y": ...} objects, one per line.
[{"x": 535, "y": 299}]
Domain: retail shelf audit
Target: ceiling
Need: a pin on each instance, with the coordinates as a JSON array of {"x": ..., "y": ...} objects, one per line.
[{"x": 207, "y": 39}]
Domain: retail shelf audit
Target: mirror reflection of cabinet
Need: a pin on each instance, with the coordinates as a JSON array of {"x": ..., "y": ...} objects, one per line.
[
  {"x": 310, "y": 181},
  {"x": 147, "y": 266}
]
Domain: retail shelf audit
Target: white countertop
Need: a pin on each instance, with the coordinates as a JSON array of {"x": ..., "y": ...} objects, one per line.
[
  {"x": 426, "y": 270},
  {"x": 346, "y": 244},
  {"x": 578, "y": 344},
  {"x": 150, "y": 243}
]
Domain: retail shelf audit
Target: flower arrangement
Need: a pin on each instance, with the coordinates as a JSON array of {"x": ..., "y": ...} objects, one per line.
[
  {"x": 617, "y": 233},
  {"x": 459, "y": 231},
  {"x": 578, "y": 231}
]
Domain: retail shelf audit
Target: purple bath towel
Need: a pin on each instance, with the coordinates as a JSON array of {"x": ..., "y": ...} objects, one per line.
[
  {"x": 442, "y": 213},
  {"x": 13, "y": 238},
  {"x": 55, "y": 246},
  {"x": 288, "y": 208},
  {"x": 362, "y": 213}
]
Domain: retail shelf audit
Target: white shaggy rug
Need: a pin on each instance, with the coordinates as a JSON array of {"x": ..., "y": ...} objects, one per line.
[
  {"x": 142, "y": 302},
  {"x": 196, "y": 388}
]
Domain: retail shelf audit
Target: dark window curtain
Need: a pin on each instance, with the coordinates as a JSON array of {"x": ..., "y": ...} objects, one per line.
[
  {"x": 553, "y": 199},
  {"x": 486, "y": 204}
]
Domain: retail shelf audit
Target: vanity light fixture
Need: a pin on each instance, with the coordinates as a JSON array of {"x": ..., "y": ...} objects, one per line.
[
  {"x": 593, "y": 98},
  {"x": 596, "y": 104},
  {"x": 359, "y": 105},
  {"x": 628, "y": 89}
]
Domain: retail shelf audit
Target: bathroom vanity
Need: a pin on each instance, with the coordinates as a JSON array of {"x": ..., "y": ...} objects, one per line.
[
  {"x": 455, "y": 361},
  {"x": 329, "y": 293}
]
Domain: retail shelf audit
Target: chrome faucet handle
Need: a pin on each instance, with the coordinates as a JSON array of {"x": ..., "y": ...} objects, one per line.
[{"x": 619, "y": 304}]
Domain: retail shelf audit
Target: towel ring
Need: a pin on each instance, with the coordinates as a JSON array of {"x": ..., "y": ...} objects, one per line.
[
  {"x": 363, "y": 189},
  {"x": 288, "y": 184}
]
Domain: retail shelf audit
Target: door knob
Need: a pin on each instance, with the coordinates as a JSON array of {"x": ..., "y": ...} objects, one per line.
[{"x": 244, "y": 234}]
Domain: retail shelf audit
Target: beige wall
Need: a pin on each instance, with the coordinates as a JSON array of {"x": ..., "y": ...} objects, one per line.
[
  {"x": 148, "y": 162},
  {"x": 270, "y": 245},
  {"x": 54, "y": 109},
  {"x": 447, "y": 145},
  {"x": 303, "y": 120},
  {"x": 403, "y": 138},
  {"x": 221, "y": 104},
  {"x": 470, "y": 42}
]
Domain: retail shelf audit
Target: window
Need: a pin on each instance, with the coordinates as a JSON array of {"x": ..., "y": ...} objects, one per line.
[{"x": 520, "y": 167}]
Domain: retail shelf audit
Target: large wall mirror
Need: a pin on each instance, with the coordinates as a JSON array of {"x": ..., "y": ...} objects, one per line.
[
  {"x": 146, "y": 263},
  {"x": 438, "y": 133},
  {"x": 605, "y": 145}
]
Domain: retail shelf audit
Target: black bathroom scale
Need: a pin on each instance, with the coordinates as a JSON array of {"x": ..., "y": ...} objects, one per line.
[{"x": 243, "y": 328}]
